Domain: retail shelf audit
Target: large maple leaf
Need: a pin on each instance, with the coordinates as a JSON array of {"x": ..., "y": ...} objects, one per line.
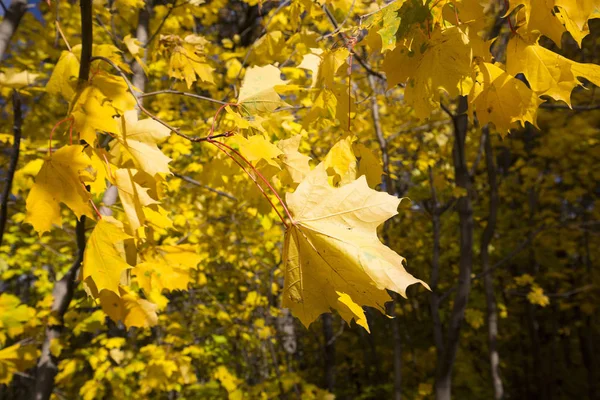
[{"x": 333, "y": 257}]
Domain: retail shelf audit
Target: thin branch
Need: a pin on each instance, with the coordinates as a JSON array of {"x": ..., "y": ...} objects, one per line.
[
  {"x": 179, "y": 93},
  {"x": 14, "y": 158},
  {"x": 109, "y": 33},
  {"x": 196, "y": 183},
  {"x": 558, "y": 106},
  {"x": 87, "y": 38},
  {"x": 160, "y": 26},
  {"x": 148, "y": 113},
  {"x": 358, "y": 58}
]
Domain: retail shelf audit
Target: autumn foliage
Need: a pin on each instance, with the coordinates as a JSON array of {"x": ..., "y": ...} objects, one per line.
[{"x": 210, "y": 199}]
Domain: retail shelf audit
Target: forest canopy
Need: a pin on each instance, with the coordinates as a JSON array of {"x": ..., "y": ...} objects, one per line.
[{"x": 207, "y": 199}]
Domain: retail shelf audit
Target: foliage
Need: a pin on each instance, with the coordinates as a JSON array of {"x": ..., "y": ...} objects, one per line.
[{"x": 222, "y": 173}]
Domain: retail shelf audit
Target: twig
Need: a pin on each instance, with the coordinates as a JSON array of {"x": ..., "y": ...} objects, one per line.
[
  {"x": 148, "y": 113},
  {"x": 14, "y": 158},
  {"x": 556, "y": 106},
  {"x": 179, "y": 93},
  {"x": 358, "y": 58},
  {"x": 196, "y": 183},
  {"x": 160, "y": 26}
]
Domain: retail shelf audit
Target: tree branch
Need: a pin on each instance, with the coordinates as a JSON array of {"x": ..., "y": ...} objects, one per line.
[
  {"x": 9, "y": 24},
  {"x": 14, "y": 158},
  {"x": 196, "y": 183},
  {"x": 179, "y": 93},
  {"x": 357, "y": 57},
  {"x": 148, "y": 113}
]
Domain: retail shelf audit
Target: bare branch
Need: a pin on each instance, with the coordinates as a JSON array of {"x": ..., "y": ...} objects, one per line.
[
  {"x": 179, "y": 93},
  {"x": 357, "y": 57},
  {"x": 195, "y": 182},
  {"x": 148, "y": 113}
]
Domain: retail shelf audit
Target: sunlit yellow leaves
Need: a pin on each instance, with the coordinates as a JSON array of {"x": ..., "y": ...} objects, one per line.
[
  {"x": 137, "y": 143},
  {"x": 187, "y": 58},
  {"x": 13, "y": 316},
  {"x": 16, "y": 358},
  {"x": 340, "y": 162},
  {"x": 167, "y": 267},
  {"x": 134, "y": 47},
  {"x": 445, "y": 64},
  {"x": 102, "y": 260},
  {"x": 59, "y": 181},
  {"x": 230, "y": 382},
  {"x": 537, "y": 296},
  {"x": 257, "y": 94},
  {"x": 332, "y": 246},
  {"x": 64, "y": 76},
  {"x": 548, "y": 73},
  {"x": 501, "y": 99},
  {"x": 369, "y": 164},
  {"x": 16, "y": 79},
  {"x": 129, "y": 308},
  {"x": 256, "y": 148},
  {"x": 295, "y": 163},
  {"x": 133, "y": 197},
  {"x": 386, "y": 23}
]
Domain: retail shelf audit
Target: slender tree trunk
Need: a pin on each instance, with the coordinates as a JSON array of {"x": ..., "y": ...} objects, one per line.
[
  {"x": 387, "y": 185},
  {"x": 434, "y": 299},
  {"x": 443, "y": 384},
  {"x": 14, "y": 159},
  {"x": 142, "y": 34},
  {"x": 327, "y": 320},
  {"x": 586, "y": 332},
  {"x": 47, "y": 367},
  {"x": 9, "y": 24},
  {"x": 488, "y": 278}
]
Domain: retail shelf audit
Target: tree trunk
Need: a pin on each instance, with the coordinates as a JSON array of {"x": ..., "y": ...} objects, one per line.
[
  {"x": 142, "y": 34},
  {"x": 9, "y": 24},
  {"x": 327, "y": 320},
  {"x": 434, "y": 299},
  {"x": 445, "y": 365},
  {"x": 14, "y": 159},
  {"x": 488, "y": 277}
]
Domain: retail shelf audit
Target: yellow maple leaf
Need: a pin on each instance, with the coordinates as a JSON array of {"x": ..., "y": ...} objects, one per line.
[
  {"x": 129, "y": 308},
  {"x": 137, "y": 142},
  {"x": 368, "y": 164},
  {"x": 295, "y": 163},
  {"x": 59, "y": 180},
  {"x": 16, "y": 358},
  {"x": 64, "y": 76},
  {"x": 167, "y": 267},
  {"x": 134, "y": 197},
  {"x": 257, "y": 148},
  {"x": 501, "y": 99},
  {"x": 187, "y": 58},
  {"x": 332, "y": 246},
  {"x": 340, "y": 162},
  {"x": 257, "y": 93},
  {"x": 445, "y": 64},
  {"x": 548, "y": 73},
  {"x": 102, "y": 261},
  {"x": 16, "y": 79},
  {"x": 135, "y": 49}
]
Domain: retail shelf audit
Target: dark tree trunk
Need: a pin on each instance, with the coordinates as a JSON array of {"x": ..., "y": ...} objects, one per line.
[{"x": 445, "y": 365}]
